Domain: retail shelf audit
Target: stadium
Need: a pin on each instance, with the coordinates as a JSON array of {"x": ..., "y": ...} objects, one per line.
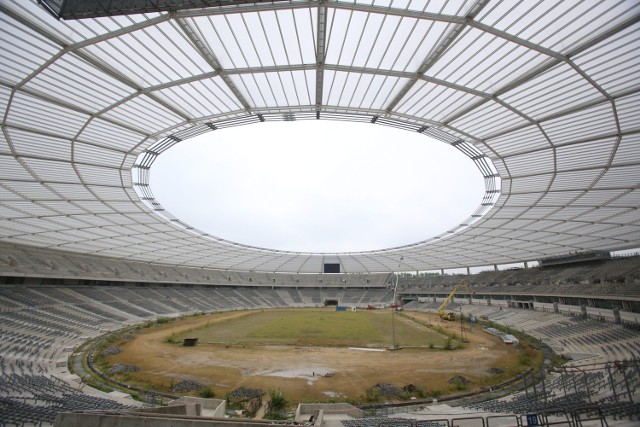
[{"x": 543, "y": 98}]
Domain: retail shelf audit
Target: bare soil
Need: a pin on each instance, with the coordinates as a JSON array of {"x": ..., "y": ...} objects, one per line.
[{"x": 313, "y": 374}]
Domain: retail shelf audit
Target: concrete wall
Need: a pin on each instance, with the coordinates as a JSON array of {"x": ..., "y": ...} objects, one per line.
[
  {"x": 306, "y": 409},
  {"x": 192, "y": 409},
  {"x": 210, "y": 407},
  {"x": 150, "y": 420}
]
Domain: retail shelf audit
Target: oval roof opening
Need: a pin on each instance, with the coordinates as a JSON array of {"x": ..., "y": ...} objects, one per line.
[{"x": 317, "y": 186}]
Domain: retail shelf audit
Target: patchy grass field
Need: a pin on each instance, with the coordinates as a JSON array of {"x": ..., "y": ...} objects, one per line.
[
  {"x": 308, "y": 354},
  {"x": 316, "y": 327}
]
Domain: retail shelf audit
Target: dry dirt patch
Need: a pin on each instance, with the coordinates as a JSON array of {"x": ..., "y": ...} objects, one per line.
[{"x": 311, "y": 373}]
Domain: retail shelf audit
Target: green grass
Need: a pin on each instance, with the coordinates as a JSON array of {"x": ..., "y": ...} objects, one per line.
[{"x": 322, "y": 327}]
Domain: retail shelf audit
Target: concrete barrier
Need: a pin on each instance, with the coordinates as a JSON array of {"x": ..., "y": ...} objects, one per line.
[
  {"x": 192, "y": 409},
  {"x": 76, "y": 419},
  {"x": 210, "y": 407}
]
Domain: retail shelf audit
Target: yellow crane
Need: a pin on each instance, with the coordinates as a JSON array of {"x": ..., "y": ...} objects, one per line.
[{"x": 451, "y": 315}]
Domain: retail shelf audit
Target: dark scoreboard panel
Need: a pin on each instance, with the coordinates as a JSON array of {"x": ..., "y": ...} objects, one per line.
[{"x": 331, "y": 268}]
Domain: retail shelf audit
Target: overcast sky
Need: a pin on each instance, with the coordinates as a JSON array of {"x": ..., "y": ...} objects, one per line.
[{"x": 318, "y": 186}]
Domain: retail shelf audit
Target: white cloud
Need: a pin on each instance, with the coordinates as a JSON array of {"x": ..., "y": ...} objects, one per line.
[{"x": 317, "y": 186}]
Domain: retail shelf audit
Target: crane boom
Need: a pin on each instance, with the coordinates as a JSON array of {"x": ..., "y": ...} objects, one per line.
[{"x": 450, "y": 316}]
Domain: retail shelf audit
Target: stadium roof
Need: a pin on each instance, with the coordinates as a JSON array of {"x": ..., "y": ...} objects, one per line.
[{"x": 544, "y": 97}]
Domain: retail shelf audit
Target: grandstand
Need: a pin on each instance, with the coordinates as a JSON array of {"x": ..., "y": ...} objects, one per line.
[
  {"x": 599, "y": 288},
  {"x": 543, "y": 99},
  {"x": 43, "y": 320}
]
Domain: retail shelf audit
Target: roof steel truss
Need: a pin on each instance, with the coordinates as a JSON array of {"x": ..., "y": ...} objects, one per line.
[{"x": 543, "y": 98}]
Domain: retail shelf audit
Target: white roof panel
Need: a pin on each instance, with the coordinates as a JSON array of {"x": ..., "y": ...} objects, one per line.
[
  {"x": 593, "y": 122},
  {"x": 71, "y": 191},
  {"x": 601, "y": 214},
  {"x": 531, "y": 183},
  {"x": 108, "y": 193},
  {"x": 531, "y": 162},
  {"x": 98, "y": 175},
  {"x": 23, "y": 50},
  {"x": 94, "y": 155},
  {"x": 28, "y": 209},
  {"x": 575, "y": 180},
  {"x": 360, "y": 90},
  {"x": 599, "y": 198},
  {"x": 5, "y": 94},
  {"x": 151, "y": 56},
  {"x": 27, "y": 143},
  {"x": 542, "y": 96},
  {"x": 79, "y": 83},
  {"x": 629, "y": 198},
  {"x": 484, "y": 62},
  {"x": 560, "y": 26},
  {"x": 628, "y": 109},
  {"x": 111, "y": 135},
  {"x": 625, "y": 217},
  {"x": 6, "y": 194},
  {"x": 8, "y": 212},
  {"x": 608, "y": 64},
  {"x": 523, "y": 140},
  {"x": 63, "y": 207},
  {"x": 35, "y": 113},
  {"x": 30, "y": 191},
  {"x": 585, "y": 155},
  {"x": 12, "y": 170},
  {"x": 629, "y": 146},
  {"x": 202, "y": 98},
  {"x": 554, "y": 91},
  {"x": 476, "y": 122},
  {"x": 622, "y": 176},
  {"x": 143, "y": 114},
  {"x": 54, "y": 171},
  {"x": 437, "y": 102}
]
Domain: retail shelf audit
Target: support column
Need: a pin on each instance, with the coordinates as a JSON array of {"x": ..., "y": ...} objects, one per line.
[
  {"x": 612, "y": 383},
  {"x": 616, "y": 316},
  {"x": 626, "y": 382}
]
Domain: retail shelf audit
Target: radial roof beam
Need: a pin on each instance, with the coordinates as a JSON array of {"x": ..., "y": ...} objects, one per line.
[
  {"x": 436, "y": 53},
  {"x": 83, "y": 108},
  {"x": 321, "y": 39},
  {"x": 77, "y": 50},
  {"x": 395, "y": 11},
  {"x": 211, "y": 59}
]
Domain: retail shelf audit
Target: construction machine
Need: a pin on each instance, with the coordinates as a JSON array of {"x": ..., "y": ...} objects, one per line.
[{"x": 451, "y": 316}]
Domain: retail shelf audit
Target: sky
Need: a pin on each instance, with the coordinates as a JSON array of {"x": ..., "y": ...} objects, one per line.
[{"x": 317, "y": 186}]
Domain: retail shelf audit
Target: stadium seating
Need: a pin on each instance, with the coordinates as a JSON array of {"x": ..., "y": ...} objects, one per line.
[
  {"x": 30, "y": 398},
  {"x": 42, "y": 318},
  {"x": 611, "y": 387}
]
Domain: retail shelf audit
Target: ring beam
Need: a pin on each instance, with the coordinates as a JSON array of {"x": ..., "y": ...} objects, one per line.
[{"x": 142, "y": 186}]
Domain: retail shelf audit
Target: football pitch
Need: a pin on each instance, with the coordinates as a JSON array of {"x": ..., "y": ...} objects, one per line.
[
  {"x": 315, "y": 354},
  {"x": 318, "y": 327}
]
